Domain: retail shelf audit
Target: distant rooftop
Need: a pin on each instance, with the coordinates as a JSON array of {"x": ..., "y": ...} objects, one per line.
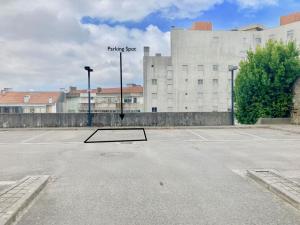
[
  {"x": 12, "y": 97},
  {"x": 284, "y": 20},
  {"x": 131, "y": 88}
]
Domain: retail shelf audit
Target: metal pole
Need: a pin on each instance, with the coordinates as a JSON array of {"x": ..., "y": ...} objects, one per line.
[
  {"x": 89, "y": 96},
  {"x": 232, "y": 97}
]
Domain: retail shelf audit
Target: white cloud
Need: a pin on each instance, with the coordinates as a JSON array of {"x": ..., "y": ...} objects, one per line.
[
  {"x": 256, "y": 4},
  {"x": 43, "y": 43}
]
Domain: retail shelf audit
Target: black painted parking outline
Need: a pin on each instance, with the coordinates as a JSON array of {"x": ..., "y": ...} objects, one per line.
[{"x": 103, "y": 129}]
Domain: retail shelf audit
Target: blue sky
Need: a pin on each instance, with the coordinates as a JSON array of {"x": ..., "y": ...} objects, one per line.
[
  {"x": 45, "y": 44},
  {"x": 224, "y": 16}
]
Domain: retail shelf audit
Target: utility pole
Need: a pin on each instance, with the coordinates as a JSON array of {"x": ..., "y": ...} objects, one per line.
[
  {"x": 232, "y": 69},
  {"x": 89, "y": 95}
]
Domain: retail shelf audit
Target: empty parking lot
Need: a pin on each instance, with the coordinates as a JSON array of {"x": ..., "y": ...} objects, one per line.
[{"x": 179, "y": 176}]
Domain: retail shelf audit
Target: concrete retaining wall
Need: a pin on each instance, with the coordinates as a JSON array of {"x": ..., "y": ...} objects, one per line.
[
  {"x": 113, "y": 119},
  {"x": 274, "y": 121}
]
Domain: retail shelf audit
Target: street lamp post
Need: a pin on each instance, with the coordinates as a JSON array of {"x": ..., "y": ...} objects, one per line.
[
  {"x": 89, "y": 95},
  {"x": 232, "y": 69}
]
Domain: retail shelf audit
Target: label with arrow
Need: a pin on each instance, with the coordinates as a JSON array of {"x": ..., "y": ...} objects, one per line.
[
  {"x": 122, "y": 115},
  {"x": 121, "y": 49}
]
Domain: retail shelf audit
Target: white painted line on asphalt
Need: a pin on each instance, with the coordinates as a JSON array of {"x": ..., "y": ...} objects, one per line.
[
  {"x": 251, "y": 135},
  {"x": 35, "y": 137},
  {"x": 242, "y": 173},
  {"x": 198, "y": 135},
  {"x": 226, "y": 140},
  {"x": 50, "y": 143},
  {"x": 4, "y": 183},
  {"x": 40, "y": 143}
]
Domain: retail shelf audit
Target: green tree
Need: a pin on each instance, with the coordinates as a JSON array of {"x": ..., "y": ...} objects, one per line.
[{"x": 264, "y": 85}]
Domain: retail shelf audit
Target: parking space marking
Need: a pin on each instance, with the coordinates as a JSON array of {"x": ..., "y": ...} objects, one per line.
[
  {"x": 198, "y": 135},
  {"x": 228, "y": 140},
  {"x": 251, "y": 135},
  {"x": 35, "y": 137}
]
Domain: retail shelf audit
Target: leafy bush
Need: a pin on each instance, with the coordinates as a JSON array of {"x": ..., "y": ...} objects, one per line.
[{"x": 264, "y": 85}]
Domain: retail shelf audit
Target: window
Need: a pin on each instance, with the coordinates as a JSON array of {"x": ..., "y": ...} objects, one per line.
[
  {"x": 185, "y": 68},
  {"x": 127, "y": 100},
  {"x": 26, "y": 98},
  {"x": 134, "y": 100},
  {"x": 170, "y": 88},
  {"x": 290, "y": 35},
  {"x": 200, "y": 86},
  {"x": 169, "y": 82},
  {"x": 215, "y": 83},
  {"x": 169, "y": 74},
  {"x": 200, "y": 68},
  {"x": 186, "y": 107},
  {"x": 215, "y": 67},
  {"x": 154, "y": 95},
  {"x": 215, "y": 40},
  {"x": 154, "y": 81},
  {"x": 31, "y": 110},
  {"x": 154, "y": 109},
  {"x": 186, "y": 93},
  {"x": 258, "y": 41},
  {"x": 186, "y": 80}
]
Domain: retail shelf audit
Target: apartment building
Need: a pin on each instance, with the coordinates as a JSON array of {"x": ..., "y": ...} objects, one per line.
[
  {"x": 106, "y": 99},
  {"x": 31, "y": 102},
  {"x": 195, "y": 78}
]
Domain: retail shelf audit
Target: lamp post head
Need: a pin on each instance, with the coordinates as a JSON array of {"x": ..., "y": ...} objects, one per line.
[
  {"x": 88, "y": 69},
  {"x": 232, "y": 68}
]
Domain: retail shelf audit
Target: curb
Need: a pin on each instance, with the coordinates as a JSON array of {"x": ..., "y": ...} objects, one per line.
[
  {"x": 285, "y": 129},
  {"x": 284, "y": 188},
  {"x": 24, "y": 192}
]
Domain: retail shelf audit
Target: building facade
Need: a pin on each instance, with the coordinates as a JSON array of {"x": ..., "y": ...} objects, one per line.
[
  {"x": 106, "y": 99},
  {"x": 195, "y": 78},
  {"x": 31, "y": 102}
]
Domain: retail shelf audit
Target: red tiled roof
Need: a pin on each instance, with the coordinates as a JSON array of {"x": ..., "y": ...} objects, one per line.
[
  {"x": 126, "y": 90},
  {"x": 35, "y": 97}
]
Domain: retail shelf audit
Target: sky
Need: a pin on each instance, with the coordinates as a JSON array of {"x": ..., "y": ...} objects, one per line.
[{"x": 44, "y": 45}]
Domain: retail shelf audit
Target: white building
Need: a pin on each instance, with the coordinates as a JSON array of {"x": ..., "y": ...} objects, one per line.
[{"x": 195, "y": 77}]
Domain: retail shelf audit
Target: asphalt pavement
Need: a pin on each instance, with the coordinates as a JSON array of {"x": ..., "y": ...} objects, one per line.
[{"x": 179, "y": 176}]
